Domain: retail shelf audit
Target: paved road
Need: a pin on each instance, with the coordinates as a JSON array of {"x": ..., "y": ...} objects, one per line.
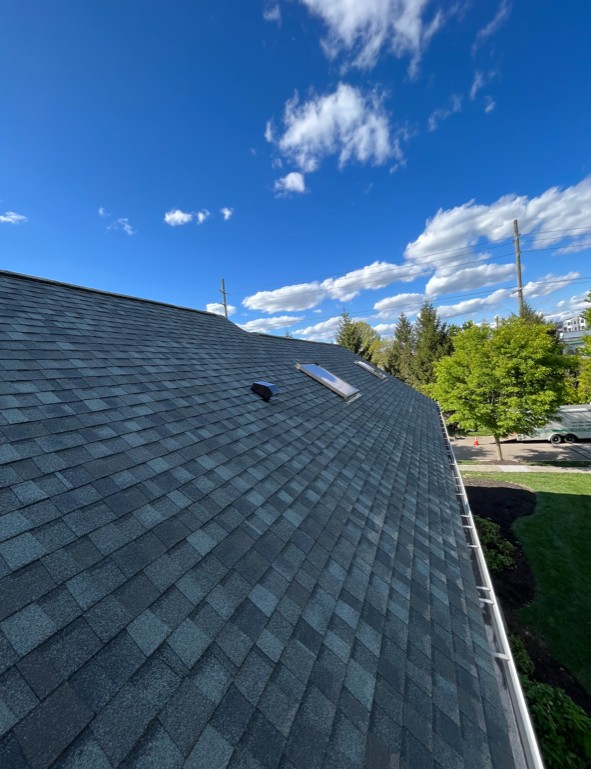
[{"x": 514, "y": 452}]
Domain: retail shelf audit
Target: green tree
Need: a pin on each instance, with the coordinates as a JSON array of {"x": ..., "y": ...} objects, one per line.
[
  {"x": 399, "y": 356},
  {"x": 432, "y": 342},
  {"x": 348, "y": 334},
  {"x": 509, "y": 379},
  {"x": 370, "y": 341},
  {"x": 359, "y": 337}
]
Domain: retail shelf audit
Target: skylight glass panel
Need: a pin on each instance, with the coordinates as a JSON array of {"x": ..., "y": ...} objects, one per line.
[
  {"x": 334, "y": 383},
  {"x": 375, "y": 371}
]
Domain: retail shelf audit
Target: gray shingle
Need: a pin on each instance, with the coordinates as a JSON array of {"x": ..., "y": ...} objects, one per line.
[{"x": 192, "y": 577}]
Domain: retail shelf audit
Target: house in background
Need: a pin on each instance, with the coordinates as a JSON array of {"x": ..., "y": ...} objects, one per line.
[
  {"x": 573, "y": 332},
  {"x": 192, "y": 576}
]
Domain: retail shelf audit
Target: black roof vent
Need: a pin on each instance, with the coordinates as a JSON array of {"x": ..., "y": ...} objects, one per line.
[{"x": 265, "y": 389}]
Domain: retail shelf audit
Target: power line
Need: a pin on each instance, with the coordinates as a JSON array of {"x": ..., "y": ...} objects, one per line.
[
  {"x": 432, "y": 257},
  {"x": 461, "y": 297}
]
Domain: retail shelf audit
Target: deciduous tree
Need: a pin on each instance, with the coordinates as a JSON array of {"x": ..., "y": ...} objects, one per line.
[{"x": 509, "y": 379}]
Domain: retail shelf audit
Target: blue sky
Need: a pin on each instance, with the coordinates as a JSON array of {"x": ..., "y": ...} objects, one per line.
[{"x": 319, "y": 155}]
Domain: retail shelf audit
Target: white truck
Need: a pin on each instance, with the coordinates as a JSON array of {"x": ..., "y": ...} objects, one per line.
[{"x": 571, "y": 424}]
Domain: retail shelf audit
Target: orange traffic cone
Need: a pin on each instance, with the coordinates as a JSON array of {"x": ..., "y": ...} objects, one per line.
[{"x": 476, "y": 442}]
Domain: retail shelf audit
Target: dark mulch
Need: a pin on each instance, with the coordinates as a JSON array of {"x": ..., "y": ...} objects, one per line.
[{"x": 503, "y": 503}]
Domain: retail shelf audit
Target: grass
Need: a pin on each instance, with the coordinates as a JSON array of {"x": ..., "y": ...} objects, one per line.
[
  {"x": 557, "y": 544},
  {"x": 549, "y": 463}
]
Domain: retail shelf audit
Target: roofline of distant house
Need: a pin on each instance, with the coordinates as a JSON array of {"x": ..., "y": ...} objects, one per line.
[
  {"x": 52, "y": 282},
  {"x": 100, "y": 291}
]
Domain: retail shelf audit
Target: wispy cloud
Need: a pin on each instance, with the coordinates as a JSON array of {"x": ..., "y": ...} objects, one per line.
[
  {"x": 293, "y": 182},
  {"x": 272, "y": 12},
  {"x": 122, "y": 223},
  {"x": 202, "y": 216},
  {"x": 103, "y": 212},
  {"x": 442, "y": 113},
  {"x": 226, "y": 213},
  {"x": 493, "y": 25},
  {"x": 361, "y": 29},
  {"x": 176, "y": 218},
  {"x": 11, "y": 217},
  {"x": 489, "y": 104},
  {"x": 347, "y": 123}
]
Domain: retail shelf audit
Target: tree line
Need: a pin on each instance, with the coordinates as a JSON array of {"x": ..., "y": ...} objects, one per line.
[{"x": 505, "y": 378}]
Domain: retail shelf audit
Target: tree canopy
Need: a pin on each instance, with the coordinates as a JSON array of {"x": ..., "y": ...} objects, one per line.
[
  {"x": 400, "y": 352},
  {"x": 358, "y": 336},
  {"x": 509, "y": 379}
]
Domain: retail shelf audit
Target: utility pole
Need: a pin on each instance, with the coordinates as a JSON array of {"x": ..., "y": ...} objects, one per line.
[
  {"x": 518, "y": 266},
  {"x": 224, "y": 295}
]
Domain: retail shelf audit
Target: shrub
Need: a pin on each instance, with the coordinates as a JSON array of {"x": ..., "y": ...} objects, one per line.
[
  {"x": 523, "y": 661},
  {"x": 562, "y": 727},
  {"x": 498, "y": 551}
]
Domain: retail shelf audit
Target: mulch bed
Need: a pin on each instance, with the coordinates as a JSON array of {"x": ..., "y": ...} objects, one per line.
[{"x": 503, "y": 503}]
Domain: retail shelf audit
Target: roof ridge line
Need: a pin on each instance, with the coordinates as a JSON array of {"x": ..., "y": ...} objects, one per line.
[{"x": 51, "y": 281}]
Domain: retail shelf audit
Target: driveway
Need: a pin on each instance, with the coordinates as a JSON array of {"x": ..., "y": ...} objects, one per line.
[{"x": 514, "y": 452}]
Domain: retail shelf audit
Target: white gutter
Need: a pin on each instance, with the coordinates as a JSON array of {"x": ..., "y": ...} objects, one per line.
[{"x": 494, "y": 619}]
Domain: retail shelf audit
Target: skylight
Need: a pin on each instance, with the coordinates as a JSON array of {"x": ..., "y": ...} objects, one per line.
[
  {"x": 334, "y": 383},
  {"x": 375, "y": 371}
]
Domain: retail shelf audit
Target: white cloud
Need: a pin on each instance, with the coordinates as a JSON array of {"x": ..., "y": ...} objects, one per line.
[
  {"x": 122, "y": 223},
  {"x": 385, "y": 329},
  {"x": 462, "y": 227},
  {"x": 218, "y": 308},
  {"x": 534, "y": 289},
  {"x": 302, "y": 296},
  {"x": 493, "y": 26},
  {"x": 472, "y": 306},
  {"x": 569, "y": 308},
  {"x": 362, "y": 28},
  {"x": 325, "y": 331},
  {"x": 394, "y": 305},
  {"x": 103, "y": 212},
  {"x": 346, "y": 123},
  {"x": 176, "y": 217},
  {"x": 10, "y": 217},
  {"x": 293, "y": 182},
  {"x": 226, "y": 213},
  {"x": 548, "y": 284},
  {"x": 490, "y": 104},
  {"x": 450, "y": 280},
  {"x": 270, "y": 132},
  {"x": 442, "y": 113},
  {"x": 202, "y": 216},
  {"x": 272, "y": 12},
  {"x": 372, "y": 277},
  {"x": 261, "y": 325},
  {"x": 305, "y": 296}
]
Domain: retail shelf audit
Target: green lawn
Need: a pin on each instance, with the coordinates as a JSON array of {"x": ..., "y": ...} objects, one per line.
[{"x": 557, "y": 543}]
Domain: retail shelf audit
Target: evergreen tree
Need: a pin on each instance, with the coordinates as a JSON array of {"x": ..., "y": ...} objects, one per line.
[
  {"x": 348, "y": 334},
  {"x": 399, "y": 358},
  {"x": 432, "y": 342}
]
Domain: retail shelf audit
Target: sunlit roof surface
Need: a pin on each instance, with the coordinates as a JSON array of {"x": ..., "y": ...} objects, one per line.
[
  {"x": 334, "y": 383},
  {"x": 375, "y": 371}
]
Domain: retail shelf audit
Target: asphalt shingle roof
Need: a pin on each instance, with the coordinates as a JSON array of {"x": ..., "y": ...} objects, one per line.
[{"x": 192, "y": 577}]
